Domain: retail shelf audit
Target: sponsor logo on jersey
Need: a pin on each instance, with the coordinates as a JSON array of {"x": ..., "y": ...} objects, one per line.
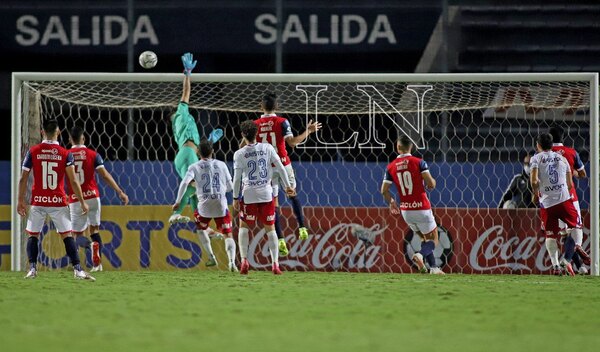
[
  {"x": 49, "y": 199},
  {"x": 411, "y": 205},
  {"x": 52, "y": 151}
]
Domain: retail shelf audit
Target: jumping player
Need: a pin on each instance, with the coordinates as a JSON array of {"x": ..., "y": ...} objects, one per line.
[
  {"x": 87, "y": 163},
  {"x": 578, "y": 171},
  {"x": 276, "y": 130},
  {"x": 408, "y": 173},
  {"x": 213, "y": 181},
  {"x": 551, "y": 182},
  {"x": 253, "y": 194},
  {"x": 187, "y": 138},
  {"x": 50, "y": 163}
]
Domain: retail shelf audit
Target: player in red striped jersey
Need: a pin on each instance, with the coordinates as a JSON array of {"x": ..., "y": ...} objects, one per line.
[
  {"x": 49, "y": 163},
  {"x": 578, "y": 171},
  {"x": 276, "y": 130},
  {"x": 410, "y": 175},
  {"x": 87, "y": 163}
]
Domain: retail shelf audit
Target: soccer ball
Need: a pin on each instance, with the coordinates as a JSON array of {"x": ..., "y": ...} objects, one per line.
[{"x": 148, "y": 59}]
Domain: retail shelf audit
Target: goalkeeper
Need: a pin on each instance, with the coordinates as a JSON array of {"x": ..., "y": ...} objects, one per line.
[{"x": 187, "y": 138}]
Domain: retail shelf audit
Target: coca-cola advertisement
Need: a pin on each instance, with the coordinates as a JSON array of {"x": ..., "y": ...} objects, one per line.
[{"x": 491, "y": 241}]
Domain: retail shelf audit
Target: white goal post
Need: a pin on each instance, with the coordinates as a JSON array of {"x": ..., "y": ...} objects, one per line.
[{"x": 424, "y": 94}]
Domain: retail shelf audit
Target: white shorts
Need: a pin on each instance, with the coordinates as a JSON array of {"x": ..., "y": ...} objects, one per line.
[
  {"x": 420, "y": 220},
  {"x": 277, "y": 180},
  {"x": 562, "y": 225},
  {"x": 92, "y": 218},
  {"x": 58, "y": 215}
]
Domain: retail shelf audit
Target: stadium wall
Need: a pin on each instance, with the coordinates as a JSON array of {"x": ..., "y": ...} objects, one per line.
[{"x": 459, "y": 184}]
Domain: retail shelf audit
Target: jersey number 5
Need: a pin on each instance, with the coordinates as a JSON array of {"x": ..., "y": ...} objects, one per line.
[
  {"x": 49, "y": 176},
  {"x": 405, "y": 181}
]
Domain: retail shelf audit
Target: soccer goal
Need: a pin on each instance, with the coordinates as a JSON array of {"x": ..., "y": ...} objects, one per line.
[{"x": 474, "y": 130}]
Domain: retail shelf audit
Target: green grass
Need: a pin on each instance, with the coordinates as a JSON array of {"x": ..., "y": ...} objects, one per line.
[{"x": 218, "y": 311}]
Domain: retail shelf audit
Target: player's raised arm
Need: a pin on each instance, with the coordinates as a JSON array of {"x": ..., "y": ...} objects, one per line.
[
  {"x": 188, "y": 65},
  {"x": 312, "y": 127}
]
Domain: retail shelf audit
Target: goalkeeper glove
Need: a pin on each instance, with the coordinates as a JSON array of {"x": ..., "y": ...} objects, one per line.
[{"x": 188, "y": 63}]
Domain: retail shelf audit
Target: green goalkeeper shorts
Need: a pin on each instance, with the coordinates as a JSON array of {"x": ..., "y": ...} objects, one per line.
[{"x": 185, "y": 157}]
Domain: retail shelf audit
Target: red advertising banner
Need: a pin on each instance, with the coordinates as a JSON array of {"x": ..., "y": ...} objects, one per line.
[{"x": 489, "y": 241}]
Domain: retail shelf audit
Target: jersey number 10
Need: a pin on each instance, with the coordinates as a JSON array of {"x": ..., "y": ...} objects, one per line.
[{"x": 405, "y": 181}]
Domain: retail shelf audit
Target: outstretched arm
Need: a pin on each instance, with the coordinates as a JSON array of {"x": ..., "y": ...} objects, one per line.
[
  {"x": 535, "y": 185},
  {"x": 107, "y": 177},
  {"x": 312, "y": 127},
  {"x": 188, "y": 65},
  {"x": 187, "y": 88}
]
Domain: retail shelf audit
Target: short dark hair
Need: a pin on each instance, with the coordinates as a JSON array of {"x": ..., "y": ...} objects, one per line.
[
  {"x": 269, "y": 101},
  {"x": 249, "y": 130},
  {"x": 50, "y": 127},
  {"x": 76, "y": 134},
  {"x": 206, "y": 148},
  {"x": 404, "y": 141},
  {"x": 545, "y": 141},
  {"x": 556, "y": 133}
]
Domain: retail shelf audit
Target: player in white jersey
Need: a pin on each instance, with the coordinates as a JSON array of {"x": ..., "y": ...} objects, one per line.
[
  {"x": 253, "y": 192},
  {"x": 551, "y": 182},
  {"x": 213, "y": 181}
]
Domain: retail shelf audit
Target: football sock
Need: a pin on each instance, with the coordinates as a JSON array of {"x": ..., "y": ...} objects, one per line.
[
  {"x": 71, "y": 249},
  {"x": 230, "y": 249},
  {"x": 297, "y": 208},
  {"x": 273, "y": 247},
  {"x": 243, "y": 242},
  {"x": 552, "y": 248},
  {"x": 205, "y": 241},
  {"x": 577, "y": 235},
  {"x": 83, "y": 242},
  {"x": 427, "y": 252},
  {"x": 32, "y": 250},
  {"x": 96, "y": 238},
  {"x": 577, "y": 260},
  {"x": 189, "y": 192},
  {"x": 277, "y": 225},
  {"x": 569, "y": 248}
]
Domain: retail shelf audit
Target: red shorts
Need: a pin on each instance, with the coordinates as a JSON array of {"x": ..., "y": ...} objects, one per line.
[
  {"x": 223, "y": 223},
  {"x": 564, "y": 211},
  {"x": 261, "y": 212}
]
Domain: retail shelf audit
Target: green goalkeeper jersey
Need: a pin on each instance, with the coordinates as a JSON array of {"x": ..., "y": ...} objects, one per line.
[{"x": 184, "y": 126}]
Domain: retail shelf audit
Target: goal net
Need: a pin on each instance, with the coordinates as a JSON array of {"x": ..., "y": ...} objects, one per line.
[{"x": 474, "y": 131}]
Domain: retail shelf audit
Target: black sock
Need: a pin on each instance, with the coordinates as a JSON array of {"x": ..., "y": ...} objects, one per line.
[
  {"x": 277, "y": 225},
  {"x": 431, "y": 260},
  {"x": 71, "y": 249},
  {"x": 32, "y": 250},
  {"x": 96, "y": 238},
  {"x": 297, "y": 208},
  {"x": 577, "y": 261}
]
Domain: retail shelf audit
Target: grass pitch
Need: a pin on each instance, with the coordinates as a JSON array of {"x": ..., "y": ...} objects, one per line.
[{"x": 219, "y": 311}]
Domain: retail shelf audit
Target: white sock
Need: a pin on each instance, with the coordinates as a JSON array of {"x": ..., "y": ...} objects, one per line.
[
  {"x": 552, "y": 248},
  {"x": 205, "y": 242},
  {"x": 577, "y": 235},
  {"x": 273, "y": 248},
  {"x": 243, "y": 242},
  {"x": 230, "y": 249}
]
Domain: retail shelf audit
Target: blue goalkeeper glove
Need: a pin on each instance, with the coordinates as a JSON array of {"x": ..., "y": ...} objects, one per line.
[{"x": 188, "y": 63}]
